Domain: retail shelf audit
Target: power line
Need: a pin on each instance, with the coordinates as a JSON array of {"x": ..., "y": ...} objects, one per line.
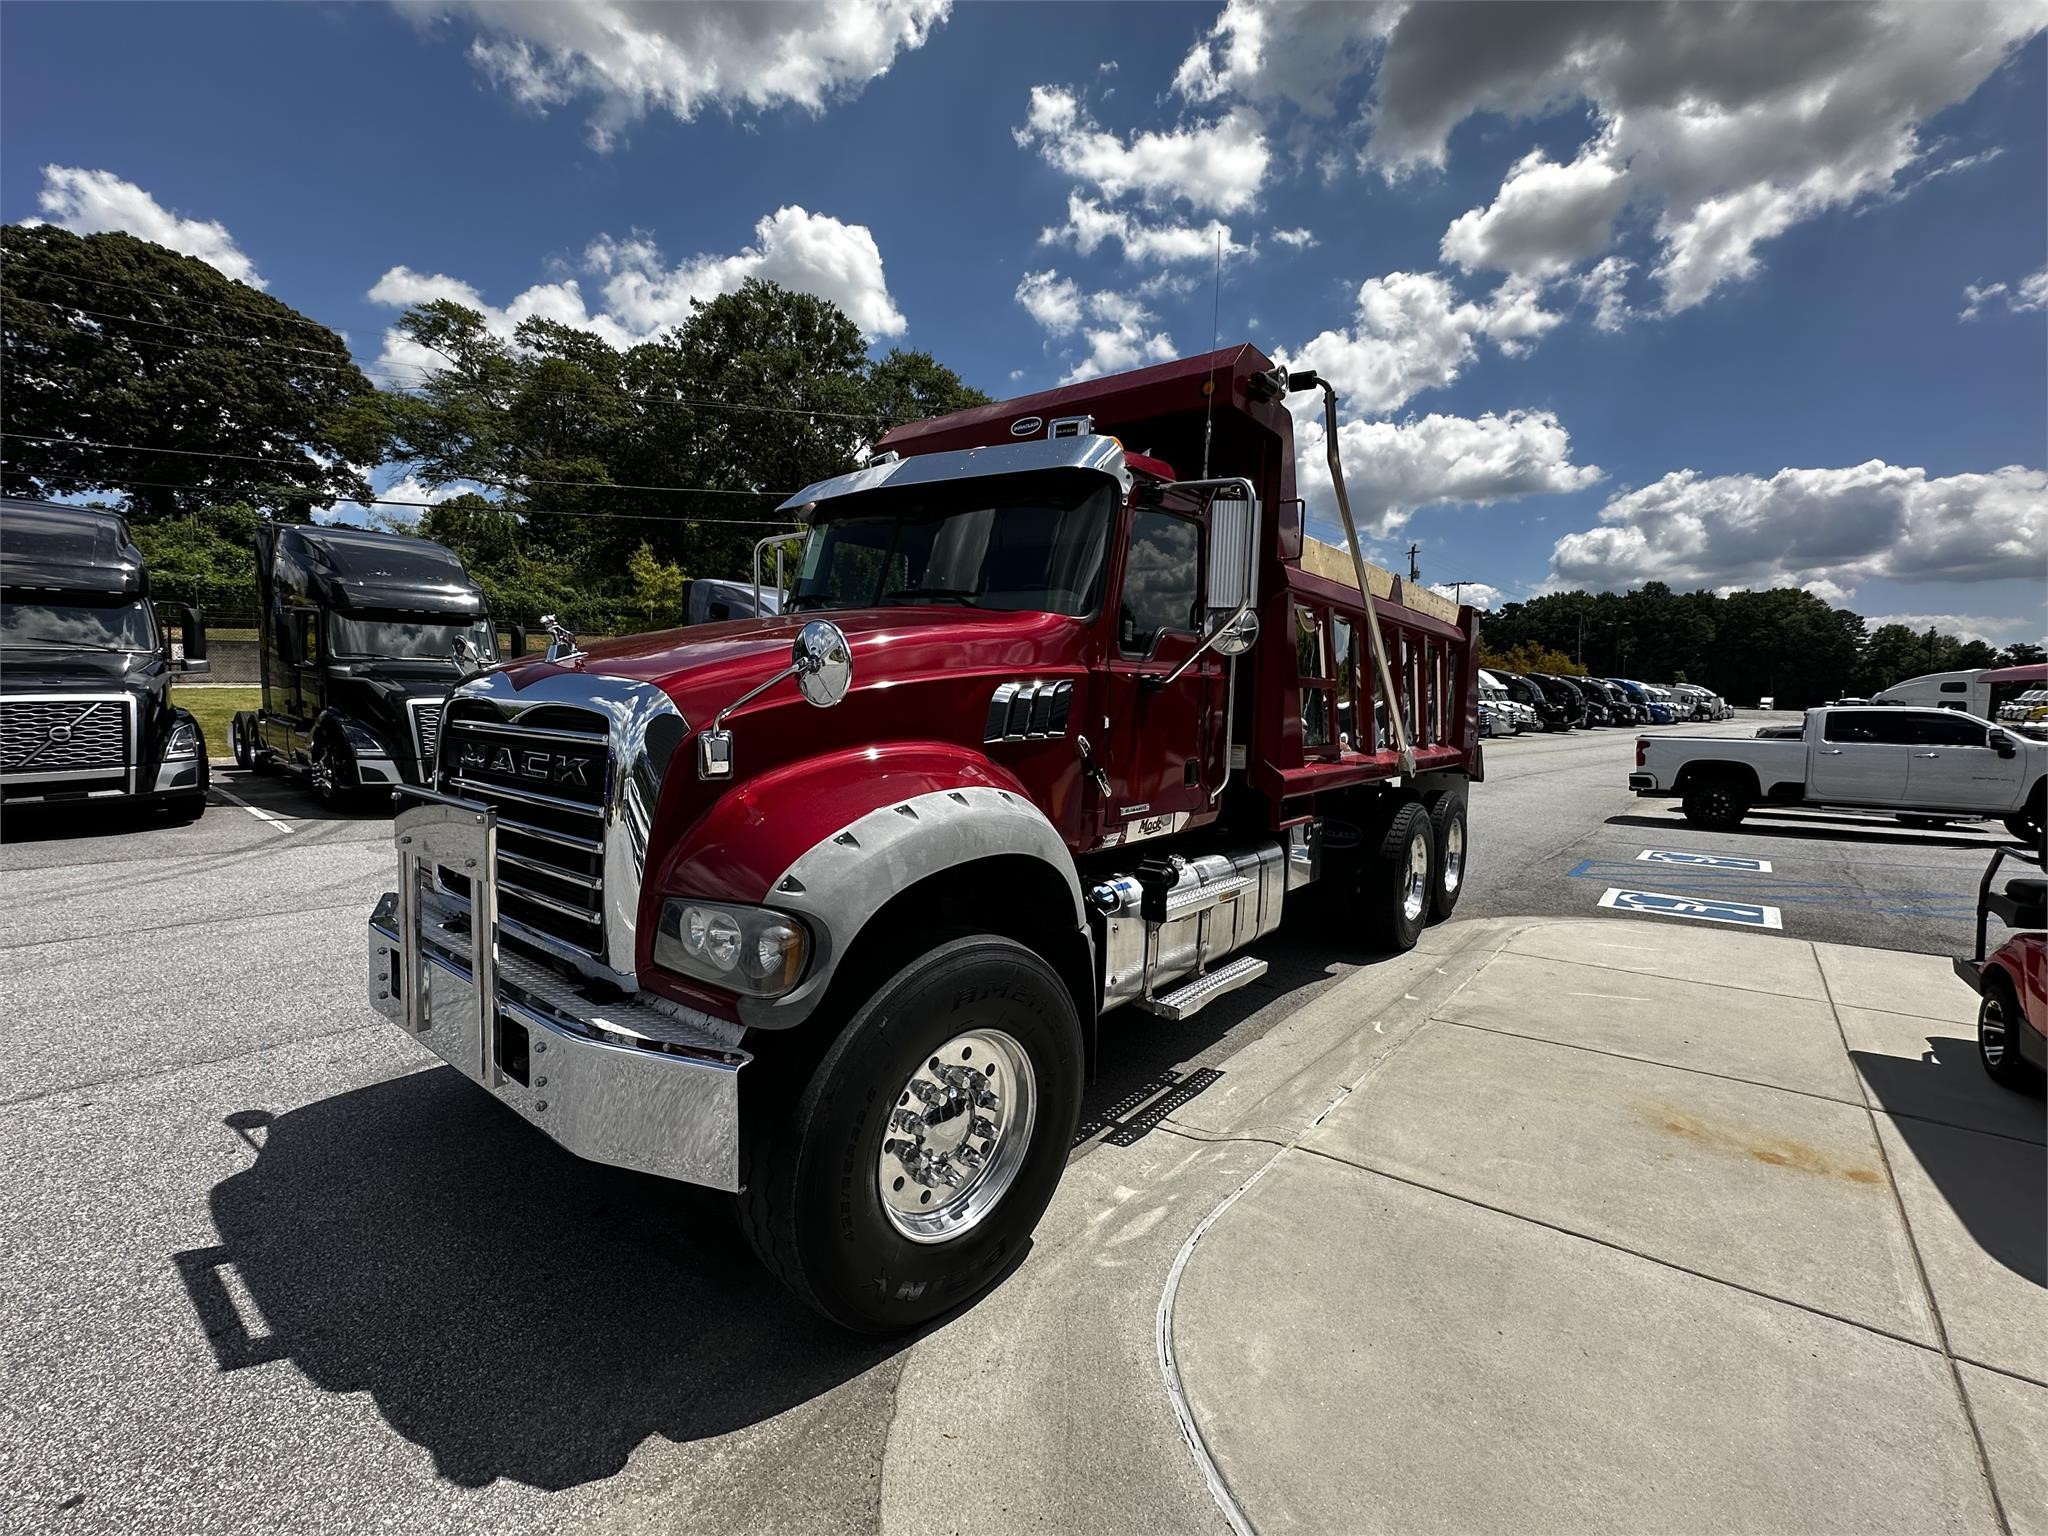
[
  {"x": 250, "y": 458},
  {"x": 299, "y": 493}
]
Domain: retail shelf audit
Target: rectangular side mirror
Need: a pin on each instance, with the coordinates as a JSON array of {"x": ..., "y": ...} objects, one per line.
[
  {"x": 1233, "y": 553},
  {"x": 188, "y": 654},
  {"x": 518, "y": 640},
  {"x": 2004, "y": 745}
]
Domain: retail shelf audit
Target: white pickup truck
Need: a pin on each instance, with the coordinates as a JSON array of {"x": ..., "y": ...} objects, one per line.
[{"x": 1922, "y": 765}]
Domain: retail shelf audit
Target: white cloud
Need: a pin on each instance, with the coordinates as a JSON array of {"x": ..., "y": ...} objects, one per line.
[
  {"x": 809, "y": 252},
  {"x": 1964, "y": 626},
  {"x": 1089, "y": 224},
  {"x": 1213, "y": 167},
  {"x": 1393, "y": 468},
  {"x": 1806, "y": 526},
  {"x": 1605, "y": 287},
  {"x": 2029, "y": 295},
  {"x": 1116, "y": 327},
  {"x": 98, "y": 202},
  {"x": 1546, "y": 218},
  {"x": 401, "y": 501},
  {"x": 1411, "y": 332},
  {"x": 1300, "y": 239},
  {"x": 1479, "y": 594},
  {"x": 1120, "y": 337},
  {"x": 641, "y": 295},
  {"x": 636, "y": 58},
  {"x": 1053, "y": 301},
  {"x": 1301, "y": 53}
]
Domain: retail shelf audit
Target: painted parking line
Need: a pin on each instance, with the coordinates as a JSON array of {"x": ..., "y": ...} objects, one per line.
[
  {"x": 282, "y": 823},
  {"x": 1703, "y": 860},
  {"x": 1699, "y": 908}
]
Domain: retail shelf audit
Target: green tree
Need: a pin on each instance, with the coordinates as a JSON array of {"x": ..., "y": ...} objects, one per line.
[
  {"x": 1527, "y": 656},
  {"x": 2022, "y": 653},
  {"x": 127, "y": 368},
  {"x": 657, "y": 584},
  {"x": 207, "y": 556}
]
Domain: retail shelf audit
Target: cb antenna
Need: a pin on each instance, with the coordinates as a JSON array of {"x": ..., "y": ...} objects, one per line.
[{"x": 1215, "y": 340}]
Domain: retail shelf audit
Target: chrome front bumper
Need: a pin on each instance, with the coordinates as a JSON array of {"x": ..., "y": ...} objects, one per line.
[{"x": 637, "y": 1084}]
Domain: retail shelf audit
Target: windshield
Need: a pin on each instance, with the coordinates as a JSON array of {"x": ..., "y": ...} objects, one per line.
[
  {"x": 79, "y": 626},
  {"x": 1036, "y": 543},
  {"x": 423, "y": 637}
]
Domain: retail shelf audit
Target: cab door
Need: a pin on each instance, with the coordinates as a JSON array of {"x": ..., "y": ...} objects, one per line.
[
  {"x": 1164, "y": 752},
  {"x": 1860, "y": 758},
  {"x": 1951, "y": 765}
]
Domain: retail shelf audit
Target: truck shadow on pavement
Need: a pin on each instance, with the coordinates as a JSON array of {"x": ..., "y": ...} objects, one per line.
[
  {"x": 514, "y": 1311},
  {"x": 1958, "y": 1126},
  {"x": 1812, "y": 828}
]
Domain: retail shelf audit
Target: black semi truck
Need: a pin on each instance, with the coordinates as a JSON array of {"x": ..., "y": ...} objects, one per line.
[
  {"x": 86, "y": 663},
  {"x": 362, "y": 636}
]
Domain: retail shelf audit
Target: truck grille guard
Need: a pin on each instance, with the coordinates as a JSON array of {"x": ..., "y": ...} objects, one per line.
[{"x": 556, "y": 1029}]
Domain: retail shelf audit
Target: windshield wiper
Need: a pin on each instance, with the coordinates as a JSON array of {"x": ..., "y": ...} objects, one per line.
[
  {"x": 65, "y": 645},
  {"x": 962, "y": 595}
]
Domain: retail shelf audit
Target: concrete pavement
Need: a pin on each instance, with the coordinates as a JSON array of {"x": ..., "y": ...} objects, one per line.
[{"x": 1634, "y": 1229}]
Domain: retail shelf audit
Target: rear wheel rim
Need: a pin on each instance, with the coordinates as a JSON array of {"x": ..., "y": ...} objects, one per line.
[
  {"x": 1415, "y": 881},
  {"x": 1454, "y": 855},
  {"x": 957, "y": 1136}
]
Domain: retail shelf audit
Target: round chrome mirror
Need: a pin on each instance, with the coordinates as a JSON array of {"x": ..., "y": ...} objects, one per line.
[
  {"x": 823, "y": 663},
  {"x": 1235, "y": 639}
]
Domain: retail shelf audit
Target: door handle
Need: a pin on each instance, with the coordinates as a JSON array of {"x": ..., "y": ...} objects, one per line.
[
  {"x": 1830, "y": 751},
  {"x": 1927, "y": 754}
]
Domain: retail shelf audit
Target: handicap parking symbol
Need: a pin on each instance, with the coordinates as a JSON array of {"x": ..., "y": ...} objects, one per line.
[
  {"x": 1699, "y": 908},
  {"x": 1704, "y": 860}
]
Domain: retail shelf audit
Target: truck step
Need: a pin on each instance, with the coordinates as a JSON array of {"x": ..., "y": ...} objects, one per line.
[
  {"x": 1185, "y": 1002},
  {"x": 1200, "y": 898}
]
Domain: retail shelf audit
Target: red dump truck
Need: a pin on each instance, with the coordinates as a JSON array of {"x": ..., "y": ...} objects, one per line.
[{"x": 824, "y": 908}]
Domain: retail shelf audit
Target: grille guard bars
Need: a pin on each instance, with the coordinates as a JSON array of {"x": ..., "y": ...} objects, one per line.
[{"x": 634, "y": 1084}]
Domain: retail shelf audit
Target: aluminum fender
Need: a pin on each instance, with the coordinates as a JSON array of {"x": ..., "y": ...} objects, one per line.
[{"x": 842, "y": 881}]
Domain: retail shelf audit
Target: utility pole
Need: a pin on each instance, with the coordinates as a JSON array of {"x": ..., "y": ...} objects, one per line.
[
  {"x": 1458, "y": 588},
  {"x": 1413, "y": 573}
]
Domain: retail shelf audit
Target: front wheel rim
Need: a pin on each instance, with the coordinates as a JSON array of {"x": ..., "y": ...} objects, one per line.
[
  {"x": 957, "y": 1136},
  {"x": 1415, "y": 885},
  {"x": 1991, "y": 1033}
]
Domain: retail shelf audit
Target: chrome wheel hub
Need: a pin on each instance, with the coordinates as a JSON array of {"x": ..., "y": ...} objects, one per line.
[
  {"x": 957, "y": 1136},
  {"x": 1454, "y": 856},
  {"x": 1415, "y": 886}
]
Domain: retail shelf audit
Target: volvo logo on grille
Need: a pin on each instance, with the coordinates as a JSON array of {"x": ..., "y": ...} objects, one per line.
[
  {"x": 531, "y": 763},
  {"x": 59, "y": 733}
]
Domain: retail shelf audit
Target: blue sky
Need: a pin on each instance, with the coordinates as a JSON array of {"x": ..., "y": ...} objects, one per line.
[{"x": 1612, "y": 295}]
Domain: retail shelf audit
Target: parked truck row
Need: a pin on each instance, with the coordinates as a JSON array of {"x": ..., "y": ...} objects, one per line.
[{"x": 1511, "y": 703}]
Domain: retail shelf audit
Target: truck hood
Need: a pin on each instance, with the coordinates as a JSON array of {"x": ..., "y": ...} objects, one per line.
[
  {"x": 708, "y": 666},
  {"x": 33, "y": 668}
]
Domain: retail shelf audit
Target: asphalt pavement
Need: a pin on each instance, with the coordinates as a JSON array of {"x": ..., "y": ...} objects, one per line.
[
  {"x": 1555, "y": 827},
  {"x": 272, "y": 1268}
]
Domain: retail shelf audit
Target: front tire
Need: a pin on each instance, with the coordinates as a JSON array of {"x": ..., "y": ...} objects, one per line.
[
  {"x": 2030, "y": 826},
  {"x": 331, "y": 773},
  {"x": 1716, "y": 804},
  {"x": 914, "y": 1165},
  {"x": 1998, "y": 1024}
]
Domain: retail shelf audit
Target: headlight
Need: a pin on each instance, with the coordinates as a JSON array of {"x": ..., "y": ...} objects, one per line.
[
  {"x": 361, "y": 742},
  {"x": 743, "y": 949},
  {"x": 183, "y": 741}
]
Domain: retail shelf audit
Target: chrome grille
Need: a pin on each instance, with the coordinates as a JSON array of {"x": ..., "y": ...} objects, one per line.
[
  {"x": 85, "y": 737},
  {"x": 426, "y": 729},
  {"x": 545, "y": 774}
]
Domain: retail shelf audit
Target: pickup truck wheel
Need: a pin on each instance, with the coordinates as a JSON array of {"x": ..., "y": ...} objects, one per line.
[
  {"x": 912, "y": 1169},
  {"x": 1717, "y": 804},
  {"x": 1998, "y": 1018},
  {"x": 1449, "y": 837},
  {"x": 1397, "y": 879},
  {"x": 2030, "y": 826}
]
